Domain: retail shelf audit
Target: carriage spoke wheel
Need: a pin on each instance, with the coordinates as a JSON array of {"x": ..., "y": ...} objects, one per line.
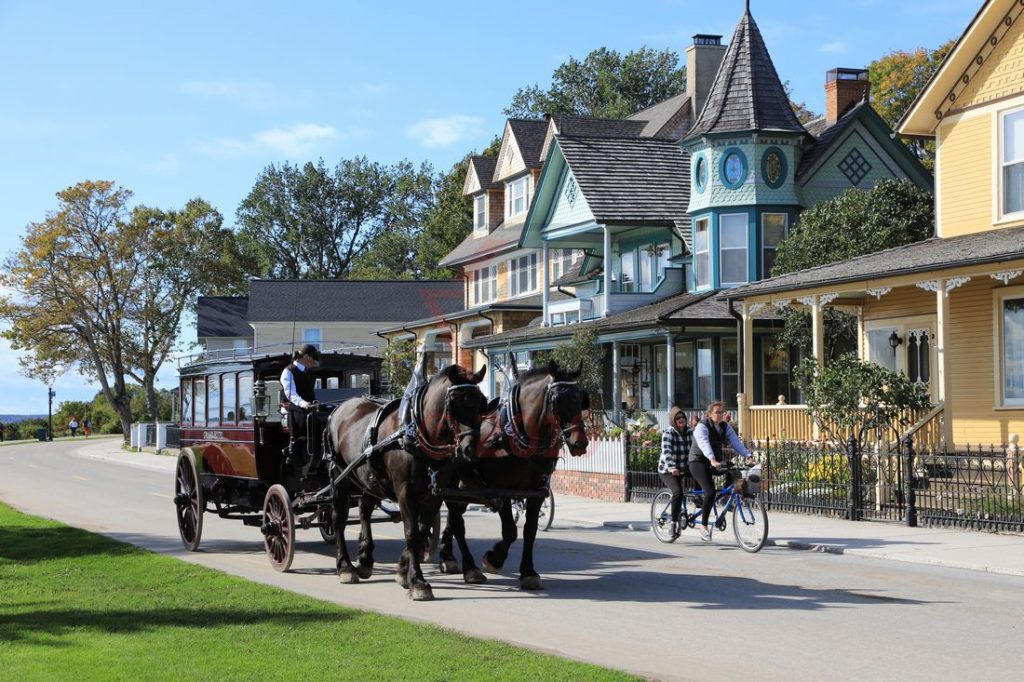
[
  {"x": 279, "y": 528},
  {"x": 188, "y": 501},
  {"x": 547, "y": 512},
  {"x": 323, "y": 517}
]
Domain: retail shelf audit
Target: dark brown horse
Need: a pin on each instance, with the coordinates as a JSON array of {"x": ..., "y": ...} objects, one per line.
[
  {"x": 447, "y": 415},
  {"x": 543, "y": 411}
]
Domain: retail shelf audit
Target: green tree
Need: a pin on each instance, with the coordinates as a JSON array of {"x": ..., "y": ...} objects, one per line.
[
  {"x": 313, "y": 222},
  {"x": 605, "y": 84},
  {"x": 399, "y": 358},
  {"x": 582, "y": 351},
  {"x": 857, "y": 222},
  {"x": 848, "y": 398},
  {"x": 896, "y": 80}
]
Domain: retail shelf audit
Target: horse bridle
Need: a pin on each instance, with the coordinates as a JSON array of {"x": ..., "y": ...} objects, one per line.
[
  {"x": 560, "y": 433},
  {"x": 448, "y": 419}
]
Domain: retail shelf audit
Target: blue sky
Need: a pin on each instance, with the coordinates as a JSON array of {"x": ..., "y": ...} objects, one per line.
[{"x": 185, "y": 99}]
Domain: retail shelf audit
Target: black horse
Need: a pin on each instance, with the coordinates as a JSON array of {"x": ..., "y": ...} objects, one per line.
[
  {"x": 543, "y": 411},
  {"x": 447, "y": 414}
]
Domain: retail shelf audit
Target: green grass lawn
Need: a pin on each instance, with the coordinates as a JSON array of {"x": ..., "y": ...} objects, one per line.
[{"x": 74, "y": 605}]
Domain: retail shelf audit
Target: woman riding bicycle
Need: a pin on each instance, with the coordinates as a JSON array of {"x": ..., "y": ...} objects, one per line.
[
  {"x": 675, "y": 448},
  {"x": 710, "y": 436}
]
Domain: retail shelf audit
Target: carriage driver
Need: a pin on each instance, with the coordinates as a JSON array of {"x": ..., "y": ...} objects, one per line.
[{"x": 297, "y": 389}]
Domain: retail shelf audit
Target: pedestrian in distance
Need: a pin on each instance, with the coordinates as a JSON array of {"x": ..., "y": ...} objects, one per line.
[
  {"x": 86, "y": 427},
  {"x": 707, "y": 457},
  {"x": 675, "y": 448},
  {"x": 73, "y": 426}
]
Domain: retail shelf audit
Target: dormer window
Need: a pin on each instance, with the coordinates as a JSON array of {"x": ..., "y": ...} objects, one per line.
[
  {"x": 518, "y": 196},
  {"x": 480, "y": 213},
  {"x": 1013, "y": 162}
]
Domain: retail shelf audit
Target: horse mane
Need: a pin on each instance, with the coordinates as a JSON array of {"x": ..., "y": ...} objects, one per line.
[
  {"x": 457, "y": 374},
  {"x": 551, "y": 369}
]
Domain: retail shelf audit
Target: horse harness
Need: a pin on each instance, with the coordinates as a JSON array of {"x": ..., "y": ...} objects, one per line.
[{"x": 511, "y": 422}]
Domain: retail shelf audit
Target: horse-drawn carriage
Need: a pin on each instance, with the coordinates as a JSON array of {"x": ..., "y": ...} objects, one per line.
[{"x": 236, "y": 459}]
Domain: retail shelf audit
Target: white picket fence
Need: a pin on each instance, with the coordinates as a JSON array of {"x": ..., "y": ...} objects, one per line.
[{"x": 604, "y": 456}]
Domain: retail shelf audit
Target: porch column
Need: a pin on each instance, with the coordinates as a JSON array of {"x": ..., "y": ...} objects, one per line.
[
  {"x": 670, "y": 367},
  {"x": 942, "y": 341},
  {"x": 608, "y": 278},
  {"x": 616, "y": 386},
  {"x": 545, "y": 320},
  {"x": 818, "y": 331},
  {"x": 743, "y": 399}
]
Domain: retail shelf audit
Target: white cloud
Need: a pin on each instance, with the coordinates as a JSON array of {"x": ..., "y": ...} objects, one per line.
[
  {"x": 834, "y": 47},
  {"x": 297, "y": 140},
  {"x": 446, "y": 130},
  {"x": 168, "y": 163},
  {"x": 372, "y": 90},
  {"x": 252, "y": 94}
]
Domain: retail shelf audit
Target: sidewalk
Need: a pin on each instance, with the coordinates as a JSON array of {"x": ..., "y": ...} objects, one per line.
[{"x": 951, "y": 548}]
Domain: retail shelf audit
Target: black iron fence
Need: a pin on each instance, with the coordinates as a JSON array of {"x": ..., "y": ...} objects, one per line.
[{"x": 976, "y": 488}]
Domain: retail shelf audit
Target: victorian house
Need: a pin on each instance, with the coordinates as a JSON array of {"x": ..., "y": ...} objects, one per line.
[
  {"x": 681, "y": 202},
  {"x": 949, "y": 311}
]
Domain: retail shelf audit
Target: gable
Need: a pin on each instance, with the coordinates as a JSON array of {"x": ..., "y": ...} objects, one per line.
[
  {"x": 570, "y": 206},
  {"x": 510, "y": 158},
  {"x": 1000, "y": 76},
  {"x": 854, "y": 160},
  {"x": 472, "y": 185}
]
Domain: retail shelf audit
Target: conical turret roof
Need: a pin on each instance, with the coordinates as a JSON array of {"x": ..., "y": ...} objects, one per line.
[{"x": 747, "y": 94}]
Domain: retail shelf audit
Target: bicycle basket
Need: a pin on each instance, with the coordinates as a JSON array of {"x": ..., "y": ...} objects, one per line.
[{"x": 751, "y": 483}]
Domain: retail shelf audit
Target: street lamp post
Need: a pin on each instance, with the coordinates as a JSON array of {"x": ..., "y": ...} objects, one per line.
[{"x": 50, "y": 394}]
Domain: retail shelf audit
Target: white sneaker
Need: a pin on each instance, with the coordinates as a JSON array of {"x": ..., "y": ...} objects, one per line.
[{"x": 705, "y": 533}]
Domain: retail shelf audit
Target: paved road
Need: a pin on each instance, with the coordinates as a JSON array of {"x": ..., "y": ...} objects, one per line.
[{"x": 613, "y": 597}]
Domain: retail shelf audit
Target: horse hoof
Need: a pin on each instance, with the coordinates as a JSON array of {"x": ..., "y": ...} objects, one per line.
[
  {"x": 364, "y": 571},
  {"x": 402, "y": 580},
  {"x": 488, "y": 566},
  {"x": 474, "y": 577},
  {"x": 448, "y": 566},
  {"x": 531, "y": 582},
  {"x": 348, "y": 577},
  {"x": 421, "y": 593}
]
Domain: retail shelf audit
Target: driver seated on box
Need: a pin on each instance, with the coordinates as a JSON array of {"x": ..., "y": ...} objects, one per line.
[{"x": 298, "y": 396}]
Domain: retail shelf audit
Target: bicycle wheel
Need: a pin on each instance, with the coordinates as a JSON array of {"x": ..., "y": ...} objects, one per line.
[
  {"x": 661, "y": 516},
  {"x": 750, "y": 523},
  {"x": 547, "y": 512}
]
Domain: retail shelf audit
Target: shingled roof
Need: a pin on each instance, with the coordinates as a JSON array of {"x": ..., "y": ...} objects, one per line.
[
  {"x": 355, "y": 301},
  {"x": 222, "y": 316},
  {"x": 630, "y": 180},
  {"x": 981, "y": 248},
  {"x": 668, "y": 120},
  {"x": 483, "y": 166},
  {"x": 503, "y": 238},
  {"x": 529, "y": 135},
  {"x": 747, "y": 94}
]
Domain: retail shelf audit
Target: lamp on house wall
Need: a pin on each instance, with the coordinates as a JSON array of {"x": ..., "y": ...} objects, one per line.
[{"x": 894, "y": 341}]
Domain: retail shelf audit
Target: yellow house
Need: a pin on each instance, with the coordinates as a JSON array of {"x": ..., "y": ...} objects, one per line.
[{"x": 948, "y": 311}]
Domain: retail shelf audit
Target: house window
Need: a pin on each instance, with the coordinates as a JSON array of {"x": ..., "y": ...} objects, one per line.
[
  {"x": 1011, "y": 333},
  {"x": 627, "y": 271},
  {"x": 561, "y": 263},
  {"x": 1013, "y": 162},
  {"x": 700, "y": 173},
  {"x": 480, "y": 212},
  {"x": 732, "y": 232},
  {"x": 879, "y": 350},
  {"x": 702, "y": 253},
  {"x": 773, "y": 230},
  {"x": 661, "y": 401},
  {"x": 653, "y": 262},
  {"x": 313, "y": 335},
  {"x": 522, "y": 275},
  {"x": 685, "y": 396},
  {"x": 705, "y": 378},
  {"x": 518, "y": 196},
  {"x": 485, "y": 284},
  {"x": 775, "y": 371},
  {"x": 730, "y": 371}
]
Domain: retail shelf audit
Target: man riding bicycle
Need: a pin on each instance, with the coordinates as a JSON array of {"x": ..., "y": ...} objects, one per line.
[{"x": 710, "y": 436}]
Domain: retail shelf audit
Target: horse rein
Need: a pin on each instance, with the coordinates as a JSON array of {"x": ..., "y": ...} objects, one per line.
[
  {"x": 548, "y": 413},
  {"x": 440, "y": 451}
]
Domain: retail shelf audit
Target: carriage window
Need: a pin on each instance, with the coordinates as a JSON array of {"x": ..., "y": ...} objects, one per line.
[
  {"x": 186, "y": 401},
  {"x": 333, "y": 382},
  {"x": 213, "y": 401},
  {"x": 359, "y": 381},
  {"x": 244, "y": 396},
  {"x": 200, "y": 401},
  {"x": 229, "y": 412},
  {"x": 274, "y": 394}
]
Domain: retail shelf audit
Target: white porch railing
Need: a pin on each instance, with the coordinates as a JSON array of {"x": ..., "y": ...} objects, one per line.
[{"x": 604, "y": 456}]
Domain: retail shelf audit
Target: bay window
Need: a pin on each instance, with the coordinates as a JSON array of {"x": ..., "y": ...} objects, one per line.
[
  {"x": 732, "y": 241},
  {"x": 702, "y": 253}
]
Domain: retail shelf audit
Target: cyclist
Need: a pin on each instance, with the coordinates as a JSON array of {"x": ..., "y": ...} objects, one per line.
[
  {"x": 675, "y": 447},
  {"x": 710, "y": 436}
]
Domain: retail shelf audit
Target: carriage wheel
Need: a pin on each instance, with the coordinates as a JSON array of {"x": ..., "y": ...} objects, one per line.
[
  {"x": 547, "y": 512},
  {"x": 189, "y": 502},
  {"x": 323, "y": 517},
  {"x": 279, "y": 528}
]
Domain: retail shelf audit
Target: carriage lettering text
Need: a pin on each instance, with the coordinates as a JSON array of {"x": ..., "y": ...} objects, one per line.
[{"x": 213, "y": 435}]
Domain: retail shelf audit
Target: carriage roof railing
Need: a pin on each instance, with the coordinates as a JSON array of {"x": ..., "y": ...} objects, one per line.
[{"x": 256, "y": 352}]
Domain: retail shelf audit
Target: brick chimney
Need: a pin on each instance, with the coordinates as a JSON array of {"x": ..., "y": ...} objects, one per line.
[
  {"x": 702, "y": 61},
  {"x": 844, "y": 88}
]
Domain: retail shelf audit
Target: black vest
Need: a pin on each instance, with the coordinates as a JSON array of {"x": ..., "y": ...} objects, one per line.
[
  {"x": 716, "y": 434},
  {"x": 305, "y": 383}
]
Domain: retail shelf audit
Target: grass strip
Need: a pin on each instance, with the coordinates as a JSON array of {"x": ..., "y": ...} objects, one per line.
[{"x": 76, "y": 605}]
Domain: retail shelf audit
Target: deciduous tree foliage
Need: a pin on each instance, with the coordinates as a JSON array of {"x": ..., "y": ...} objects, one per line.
[
  {"x": 312, "y": 222},
  {"x": 605, "y": 85}
]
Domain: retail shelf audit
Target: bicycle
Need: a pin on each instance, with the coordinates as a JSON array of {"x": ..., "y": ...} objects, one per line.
[
  {"x": 749, "y": 518},
  {"x": 547, "y": 510}
]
